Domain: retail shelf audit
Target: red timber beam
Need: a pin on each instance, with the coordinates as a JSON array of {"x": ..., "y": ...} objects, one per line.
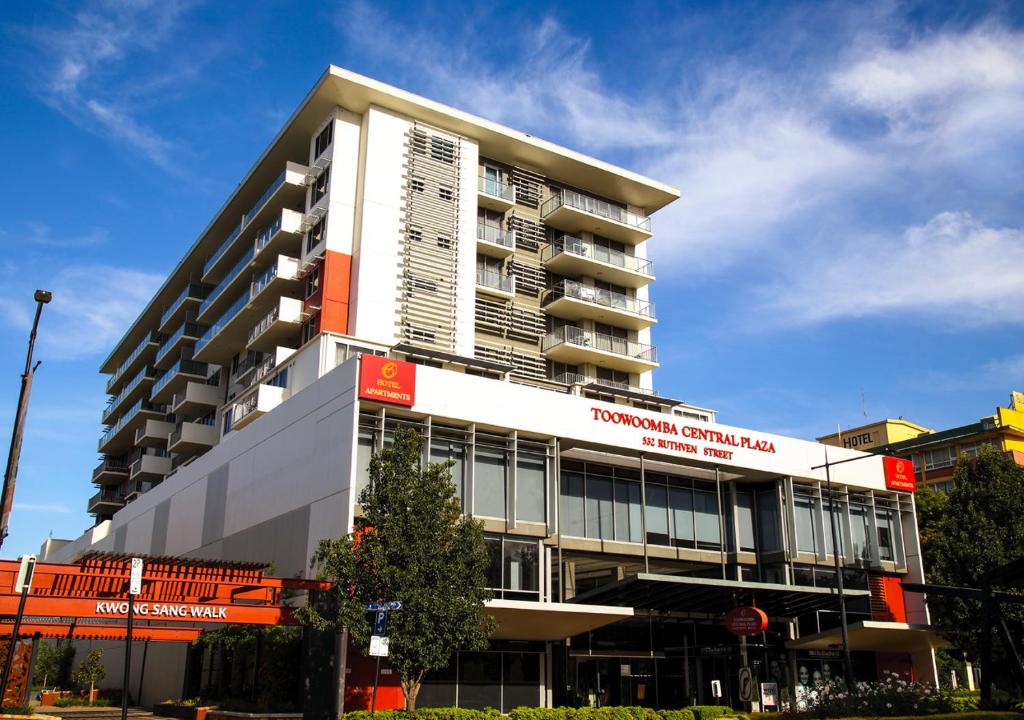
[
  {"x": 74, "y": 631},
  {"x": 174, "y": 590}
]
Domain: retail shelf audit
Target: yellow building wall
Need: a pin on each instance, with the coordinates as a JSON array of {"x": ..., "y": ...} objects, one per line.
[{"x": 874, "y": 435}]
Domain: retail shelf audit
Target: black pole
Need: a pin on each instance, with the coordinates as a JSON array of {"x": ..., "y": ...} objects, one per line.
[
  {"x": 986, "y": 646},
  {"x": 847, "y": 661},
  {"x": 31, "y": 668},
  {"x": 127, "y": 657},
  {"x": 14, "y": 454},
  {"x": 142, "y": 672},
  {"x": 15, "y": 636},
  {"x": 376, "y": 681}
]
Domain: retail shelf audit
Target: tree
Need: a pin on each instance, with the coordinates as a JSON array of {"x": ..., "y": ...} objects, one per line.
[
  {"x": 931, "y": 507},
  {"x": 980, "y": 529},
  {"x": 90, "y": 672},
  {"x": 413, "y": 545},
  {"x": 53, "y": 664}
]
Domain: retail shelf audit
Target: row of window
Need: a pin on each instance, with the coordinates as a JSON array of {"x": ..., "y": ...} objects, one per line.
[{"x": 854, "y": 520}]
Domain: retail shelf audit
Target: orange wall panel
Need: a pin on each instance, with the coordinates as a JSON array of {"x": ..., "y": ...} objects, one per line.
[
  {"x": 894, "y": 598},
  {"x": 335, "y": 287}
]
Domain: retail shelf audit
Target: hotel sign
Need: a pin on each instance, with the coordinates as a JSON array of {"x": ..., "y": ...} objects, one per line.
[
  {"x": 386, "y": 380},
  {"x": 899, "y": 474}
]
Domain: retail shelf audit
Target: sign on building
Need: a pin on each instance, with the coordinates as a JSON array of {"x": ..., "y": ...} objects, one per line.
[
  {"x": 386, "y": 380},
  {"x": 379, "y": 646}
]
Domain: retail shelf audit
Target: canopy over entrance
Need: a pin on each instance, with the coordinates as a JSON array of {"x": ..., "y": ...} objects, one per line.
[
  {"x": 875, "y": 635},
  {"x": 686, "y": 593},
  {"x": 526, "y": 620}
]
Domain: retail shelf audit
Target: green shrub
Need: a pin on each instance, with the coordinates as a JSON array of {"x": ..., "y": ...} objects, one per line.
[
  {"x": 707, "y": 712},
  {"x": 684, "y": 714},
  {"x": 81, "y": 702},
  {"x": 17, "y": 710},
  {"x": 961, "y": 700}
]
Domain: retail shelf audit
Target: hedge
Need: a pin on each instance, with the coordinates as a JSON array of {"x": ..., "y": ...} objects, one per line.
[{"x": 697, "y": 712}]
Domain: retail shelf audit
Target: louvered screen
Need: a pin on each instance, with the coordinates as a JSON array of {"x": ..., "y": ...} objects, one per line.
[
  {"x": 528, "y": 185},
  {"x": 527, "y": 323},
  {"x": 529, "y": 233},
  {"x": 528, "y": 364},
  {"x": 530, "y": 279}
]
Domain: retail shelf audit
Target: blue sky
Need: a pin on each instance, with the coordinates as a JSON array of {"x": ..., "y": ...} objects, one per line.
[{"x": 850, "y": 241}]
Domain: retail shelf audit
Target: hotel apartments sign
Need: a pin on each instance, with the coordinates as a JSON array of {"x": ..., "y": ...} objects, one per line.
[
  {"x": 899, "y": 474},
  {"x": 387, "y": 380}
]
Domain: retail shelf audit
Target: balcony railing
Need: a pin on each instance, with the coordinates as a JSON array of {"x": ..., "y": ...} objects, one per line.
[
  {"x": 265, "y": 234},
  {"x": 261, "y": 327},
  {"x": 244, "y": 407},
  {"x": 599, "y": 341},
  {"x": 197, "y": 292},
  {"x": 111, "y": 466},
  {"x": 574, "y": 246},
  {"x": 278, "y": 182},
  {"x": 264, "y": 368},
  {"x": 495, "y": 235},
  {"x": 222, "y": 249},
  {"x": 579, "y": 379},
  {"x": 496, "y": 280},
  {"x": 264, "y": 279},
  {"x": 497, "y": 188},
  {"x": 151, "y": 338},
  {"x": 147, "y": 373},
  {"x": 229, "y": 314},
  {"x": 190, "y": 329},
  {"x": 142, "y": 404},
  {"x": 597, "y": 296},
  {"x": 227, "y": 280},
  {"x": 594, "y": 206},
  {"x": 175, "y": 434},
  {"x": 182, "y": 366},
  {"x": 105, "y": 496}
]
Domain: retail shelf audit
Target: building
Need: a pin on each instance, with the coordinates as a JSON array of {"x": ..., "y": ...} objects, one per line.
[
  {"x": 935, "y": 453},
  {"x": 391, "y": 261}
]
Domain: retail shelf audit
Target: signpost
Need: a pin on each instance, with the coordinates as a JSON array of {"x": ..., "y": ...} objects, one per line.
[
  {"x": 746, "y": 685},
  {"x": 134, "y": 588},
  {"x": 716, "y": 688},
  {"x": 23, "y": 584},
  {"x": 379, "y": 641},
  {"x": 769, "y": 694}
]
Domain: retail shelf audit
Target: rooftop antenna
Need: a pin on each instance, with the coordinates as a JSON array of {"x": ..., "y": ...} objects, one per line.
[{"x": 863, "y": 405}]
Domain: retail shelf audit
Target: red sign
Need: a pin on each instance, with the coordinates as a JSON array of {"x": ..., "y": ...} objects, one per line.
[
  {"x": 386, "y": 380},
  {"x": 746, "y": 620},
  {"x": 899, "y": 474}
]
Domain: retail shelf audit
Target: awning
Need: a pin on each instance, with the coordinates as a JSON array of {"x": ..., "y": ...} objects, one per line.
[
  {"x": 525, "y": 620},
  {"x": 874, "y": 635},
  {"x": 686, "y": 593}
]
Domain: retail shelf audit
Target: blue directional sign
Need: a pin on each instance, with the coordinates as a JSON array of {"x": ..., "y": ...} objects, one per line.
[
  {"x": 391, "y": 605},
  {"x": 380, "y": 622}
]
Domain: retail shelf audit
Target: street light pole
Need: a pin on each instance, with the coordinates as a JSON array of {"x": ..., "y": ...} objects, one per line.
[
  {"x": 847, "y": 661},
  {"x": 42, "y": 297}
]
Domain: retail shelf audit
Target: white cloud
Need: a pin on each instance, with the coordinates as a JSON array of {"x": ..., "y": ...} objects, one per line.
[
  {"x": 92, "y": 305},
  {"x": 46, "y": 508},
  {"x": 74, "y": 71},
  {"x": 41, "y": 234},
  {"x": 953, "y": 268}
]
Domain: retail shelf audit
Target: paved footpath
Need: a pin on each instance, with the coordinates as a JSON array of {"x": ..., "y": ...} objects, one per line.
[{"x": 107, "y": 713}]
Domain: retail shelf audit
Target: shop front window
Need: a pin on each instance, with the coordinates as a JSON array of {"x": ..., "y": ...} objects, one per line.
[
  {"x": 490, "y": 466},
  {"x": 514, "y": 571},
  {"x": 531, "y": 482}
]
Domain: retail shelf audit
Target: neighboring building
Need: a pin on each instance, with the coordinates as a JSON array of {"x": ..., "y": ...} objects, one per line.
[
  {"x": 935, "y": 452},
  {"x": 391, "y": 261},
  {"x": 875, "y": 435}
]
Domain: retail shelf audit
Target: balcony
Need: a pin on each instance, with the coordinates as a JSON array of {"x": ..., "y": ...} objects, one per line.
[
  {"x": 138, "y": 357},
  {"x": 189, "y": 299},
  {"x": 283, "y": 272},
  {"x": 227, "y": 334},
  {"x": 571, "y": 257},
  {"x": 259, "y": 365},
  {"x": 606, "y": 386},
  {"x": 150, "y": 468},
  {"x": 105, "y": 502},
  {"x": 495, "y": 194},
  {"x": 170, "y": 351},
  {"x": 227, "y": 288},
  {"x": 284, "y": 234},
  {"x": 494, "y": 242},
  {"x": 574, "y": 212},
  {"x": 142, "y": 487},
  {"x": 197, "y": 398},
  {"x": 286, "y": 191},
  {"x": 110, "y": 471},
  {"x": 276, "y": 326},
  {"x": 175, "y": 377},
  {"x": 572, "y": 300},
  {"x": 192, "y": 437},
  {"x": 259, "y": 402},
  {"x": 575, "y": 346},
  {"x": 118, "y": 438},
  {"x": 132, "y": 391},
  {"x": 153, "y": 433},
  {"x": 495, "y": 283}
]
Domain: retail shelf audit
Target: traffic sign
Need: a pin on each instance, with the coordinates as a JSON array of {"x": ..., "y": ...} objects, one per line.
[
  {"x": 746, "y": 685},
  {"x": 769, "y": 694},
  {"x": 379, "y": 646},
  {"x": 380, "y": 622},
  {"x": 716, "y": 688},
  {"x": 135, "y": 580}
]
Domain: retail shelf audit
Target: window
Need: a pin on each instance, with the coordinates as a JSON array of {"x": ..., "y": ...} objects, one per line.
[
  {"x": 490, "y": 463},
  {"x": 769, "y": 530},
  {"x": 571, "y": 505},
  {"x": 681, "y": 503},
  {"x": 860, "y": 531},
  {"x": 415, "y": 234},
  {"x": 321, "y": 185},
  {"x": 806, "y": 537},
  {"x": 367, "y": 443},
  {"x": 280, "y": 380},
  {"x": 886, "y": 534},
  {"x": 446, "y": 193},
  {"x": 628, "y": 518},
  {"x": 745, "y": 520},
  {"x": 324, "y": 139},
  {"x": 531, "y": 483},
  {"x": 444, "y": 242},
  {"x": 313, "y": 282},
  {"x": 657, "y": 515},
  {"x": 940, "y": 458},
  {"x": 514, "y": 571},
  {"x": 449, "y": 445},
  {"x": 599, "y": 508},
  {"x": 317, "y": 234},
  {"x": 417, "y": 185},
  {"x": 705, "y": 511},
  {"x": 310, "y": 328}
]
